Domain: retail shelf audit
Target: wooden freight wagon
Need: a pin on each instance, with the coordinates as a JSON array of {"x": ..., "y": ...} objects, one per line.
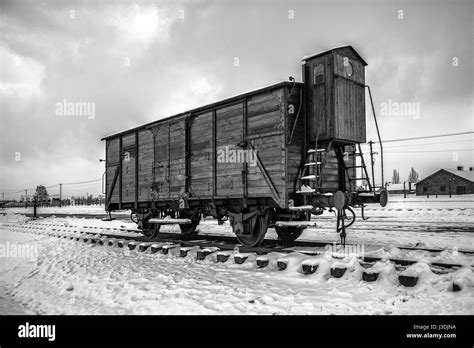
[{"x": 254, "y": 158}]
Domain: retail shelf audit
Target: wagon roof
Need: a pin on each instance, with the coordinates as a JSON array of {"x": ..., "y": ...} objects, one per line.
[
  {"x": 208, "y": 106},
  {"x": 466, "y": 175},
  {"x": 335, "y": 49}
]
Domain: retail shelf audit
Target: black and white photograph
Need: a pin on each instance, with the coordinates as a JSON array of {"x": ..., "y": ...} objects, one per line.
[{"x": 240, "y": 162}]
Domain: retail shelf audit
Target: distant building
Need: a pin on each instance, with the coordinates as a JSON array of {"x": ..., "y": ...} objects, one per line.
[
  {"x": 447, "y": 181},
  {"x": 24, "y": 198}
]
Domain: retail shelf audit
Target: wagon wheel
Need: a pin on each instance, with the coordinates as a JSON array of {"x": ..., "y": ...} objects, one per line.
[
  {"x": 290, "y": 233},
  {"x": 148, "y": 230},
  {"x": 151, "y": 230},
  {"x": 189, "y": 229},
  {"x": 256, "y": 237},
  {"x": 134, "y": 217}
]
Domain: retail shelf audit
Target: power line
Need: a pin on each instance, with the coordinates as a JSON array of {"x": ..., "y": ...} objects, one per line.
[
  {"x": 425, "y": 137},
  {"x": 82, "y": 182},
  {"x": 429, "y": 144},
  {"x": 416, "y": 151}
]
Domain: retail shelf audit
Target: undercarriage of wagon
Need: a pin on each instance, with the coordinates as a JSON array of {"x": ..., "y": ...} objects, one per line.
[{"x": 250, "y": 223}]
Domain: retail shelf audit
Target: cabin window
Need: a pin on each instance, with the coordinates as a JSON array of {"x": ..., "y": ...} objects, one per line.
[
  {"x": 318, "y": 74},
  {"x": 442, "y": 188},
  {"x": 425, "y": 189},
  {"x": 349, "y": 69}
]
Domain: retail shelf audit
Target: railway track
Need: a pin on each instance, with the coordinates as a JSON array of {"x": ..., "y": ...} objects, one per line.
[
  {"x": 325, "y": 224},
  {"x": 272, "y": 253},
  {"x": 271, "y": 243}
]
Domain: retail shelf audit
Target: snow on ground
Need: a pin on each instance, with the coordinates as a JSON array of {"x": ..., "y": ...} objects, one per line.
[{"x": 68, "y": 277}]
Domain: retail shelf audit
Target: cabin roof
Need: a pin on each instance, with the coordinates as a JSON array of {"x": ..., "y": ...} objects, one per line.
[
  {"x": 335, "y": 49},
  {"x": 208, "y": 106}
]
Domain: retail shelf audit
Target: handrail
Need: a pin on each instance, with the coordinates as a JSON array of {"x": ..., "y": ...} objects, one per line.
[
  {"x": 103, "y": 186},
  {"x": 378, "y": 133}
]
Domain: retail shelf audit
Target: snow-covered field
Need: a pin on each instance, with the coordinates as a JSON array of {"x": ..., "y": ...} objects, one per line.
[{"x": 68, "y": 277}]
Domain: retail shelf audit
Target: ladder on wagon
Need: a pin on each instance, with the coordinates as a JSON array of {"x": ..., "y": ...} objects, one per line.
[
  {"x": 311, "y": 179},
  {"x": 364, "y": 178}
]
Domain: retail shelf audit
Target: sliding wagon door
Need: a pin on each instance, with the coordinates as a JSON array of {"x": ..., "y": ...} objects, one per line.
[
  {"x": 161, "y": 161},
  {"x": 229, "y": 133},
  {"x": 201, "y": 158},
  {"x": 145, "y": 164},
  {"x": 128, "y": 168},
  {"x": 177, "y": 171},
  {"x": 169, "y": 164}
]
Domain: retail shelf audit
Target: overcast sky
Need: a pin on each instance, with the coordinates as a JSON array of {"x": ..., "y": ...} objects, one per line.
[{"x": 141, "y": 61}]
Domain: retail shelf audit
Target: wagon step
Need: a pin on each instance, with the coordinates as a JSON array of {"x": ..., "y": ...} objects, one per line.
[
  {"x": 309, "y": 177},
  {"x": 301, "y": 208},
  {"x": 295, "y": 223},
  {"x": 306, "y": 190},
  {"x": 312, "y": 164},
  {"x": 350, "y": 167},
  {"x": 169, "y": 221},
  {"x": 316, "y": 150}
]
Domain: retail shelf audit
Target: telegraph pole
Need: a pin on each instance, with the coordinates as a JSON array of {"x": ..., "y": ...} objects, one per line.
[{"x": 60, "y": 194}]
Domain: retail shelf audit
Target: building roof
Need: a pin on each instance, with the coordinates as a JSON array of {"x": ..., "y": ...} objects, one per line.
[
  {"x": 336, "y": 49},
  {"x": 467, "y": 175}
]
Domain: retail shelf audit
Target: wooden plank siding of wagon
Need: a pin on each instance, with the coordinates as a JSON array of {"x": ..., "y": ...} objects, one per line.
[
  {"x": 266, "y": 134},
  {"x": 182, "y": 157}
]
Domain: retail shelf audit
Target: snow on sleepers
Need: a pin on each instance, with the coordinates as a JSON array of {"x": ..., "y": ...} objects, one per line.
[
  {"x": 240, "y": 258},
  {"x": 223, "y": 256},
  {"x": 185, "y": 251},
  {"x": 155, "y": 247},
  {"x": 291, "y": 261},
  {"x": 411, "y": 275},
  {"x": 338, "y": 268},
  {"x": 169, "y": 248},
  {"x": 203, "y": 253},
  {"x": 370, "y": 276},
  {"x": 144, "y": 246},
  {"x": 463, "y": 278},
  {"x": 102, "y": 240},
  {"x": 132, "y": 245},
  {"x": 310, "y": 265},
  {"x": 269, "y": 259}
]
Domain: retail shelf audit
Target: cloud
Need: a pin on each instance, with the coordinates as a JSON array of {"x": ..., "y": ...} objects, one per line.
[
  {"x": 20, "y": 76},
  {"x": 141, "y": 24}
]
